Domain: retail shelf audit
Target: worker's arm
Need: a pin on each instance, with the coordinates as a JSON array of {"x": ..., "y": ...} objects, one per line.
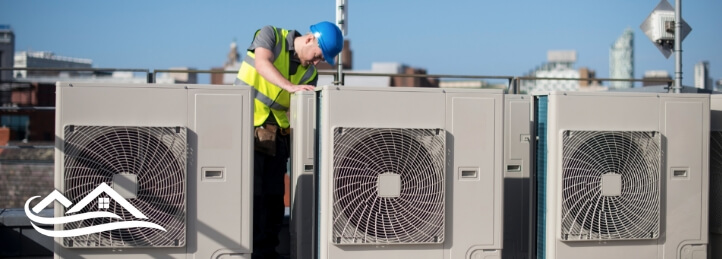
[{"x": 264, "y": 66}]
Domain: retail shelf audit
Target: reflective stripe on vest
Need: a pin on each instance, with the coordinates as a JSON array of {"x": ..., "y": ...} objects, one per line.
[{"x": 269, "y": 98}]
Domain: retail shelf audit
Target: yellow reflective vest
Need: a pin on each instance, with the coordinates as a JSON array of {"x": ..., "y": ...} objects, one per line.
[{"x": 270, "y": 98}]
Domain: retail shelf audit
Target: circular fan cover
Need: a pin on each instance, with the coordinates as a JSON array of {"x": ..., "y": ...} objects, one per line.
[
  {"x": 632, "y": 211},
  {"x": 155, "y": 155},
  {"x": 715, "y": 175},
  {"x": 416, "y": 214}
]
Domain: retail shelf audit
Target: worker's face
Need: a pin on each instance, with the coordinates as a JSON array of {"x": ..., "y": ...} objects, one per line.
[{"x": 312, "y": 53}]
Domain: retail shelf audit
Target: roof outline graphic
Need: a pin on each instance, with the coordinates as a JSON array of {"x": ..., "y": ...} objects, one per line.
[
  {"x": 104, "y": 188},
  {"x": 53, "y": 196}
]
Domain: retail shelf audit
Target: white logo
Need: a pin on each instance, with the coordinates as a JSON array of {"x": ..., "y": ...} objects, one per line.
[{"x": 102, "y": 204}]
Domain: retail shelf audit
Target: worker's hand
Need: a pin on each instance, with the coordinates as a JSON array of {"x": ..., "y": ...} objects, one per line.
[{"x": 298, "y": 88}]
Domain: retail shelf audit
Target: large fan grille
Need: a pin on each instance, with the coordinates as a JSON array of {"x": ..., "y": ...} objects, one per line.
[
  {"x": 360, "y": 215},
  {"x": 156, "y": 155},
  {"x": 715, "y": 190},
  {"x": 633, "y": 213}
]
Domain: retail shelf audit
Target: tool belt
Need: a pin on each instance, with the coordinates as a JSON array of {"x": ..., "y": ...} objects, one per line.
[{"x": 266, "y": 137}]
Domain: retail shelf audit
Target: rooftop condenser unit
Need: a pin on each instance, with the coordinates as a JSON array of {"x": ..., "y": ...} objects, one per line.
[
  {"x": 614, "y": 171},
  {"x": 409, "y": 173},
  {"x": 174, "y": 156}
]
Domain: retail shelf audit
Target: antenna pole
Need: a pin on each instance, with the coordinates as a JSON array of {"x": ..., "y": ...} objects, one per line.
[{"x": 677, "y": 46}]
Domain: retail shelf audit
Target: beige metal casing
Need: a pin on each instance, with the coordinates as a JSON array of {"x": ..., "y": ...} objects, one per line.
[
  {"x": 517, "y": 168},
  {"x": 303, "y": 196},
  {"x": 683, "y": 122},
  {"x": 218, "y": 120},
  {"x": 472, "y": 120}
]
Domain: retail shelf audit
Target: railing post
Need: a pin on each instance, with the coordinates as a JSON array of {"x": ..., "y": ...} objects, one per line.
[{"x": 513, "y": 89}]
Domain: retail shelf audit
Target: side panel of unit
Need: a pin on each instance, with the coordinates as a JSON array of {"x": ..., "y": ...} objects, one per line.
[
  {"x": 365, "y": 108},
  {"x": 474, "y": 123},
  {"x": 302, "y": 221},
  {"x": 517, "y": 168},
  {"x": 113, "y": 105},
  {"x": 715, "y": 171},
  {"x": 685, "y": 125},
  {"x": 220, "y": 177}
]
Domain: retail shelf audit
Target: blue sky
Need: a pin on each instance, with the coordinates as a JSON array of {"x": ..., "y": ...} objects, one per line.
[{"x": 475, "y": 37}]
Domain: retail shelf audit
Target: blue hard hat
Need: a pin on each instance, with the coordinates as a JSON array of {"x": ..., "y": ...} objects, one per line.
[{"x": 330, "y": 39}]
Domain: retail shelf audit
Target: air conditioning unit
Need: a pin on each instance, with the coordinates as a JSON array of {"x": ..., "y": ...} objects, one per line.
[
  {"x": 517, "y": 185},
  {"x": 621, "y": 175},
  {"x": 172, "y": 156},
  {"x": 409, "y": 173},
  {"x": 303, "y": 195},
  {"x": 715, "y": 177}
]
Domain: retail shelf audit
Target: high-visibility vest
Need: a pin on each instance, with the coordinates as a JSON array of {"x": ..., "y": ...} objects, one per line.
[{"x": 270, "y": 98}]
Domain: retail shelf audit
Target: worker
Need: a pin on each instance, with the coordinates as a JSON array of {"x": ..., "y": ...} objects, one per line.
[{"x": 279, "y": 62}]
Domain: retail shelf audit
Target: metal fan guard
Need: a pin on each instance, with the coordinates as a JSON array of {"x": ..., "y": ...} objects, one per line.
[
  {"x": 156, "y": 155},
  {"x": 360, "y": 215},
  {"x": 632, "y": 213}
]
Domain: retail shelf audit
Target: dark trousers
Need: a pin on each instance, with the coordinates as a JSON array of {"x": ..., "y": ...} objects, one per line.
[{"x": 268, "y": 205}]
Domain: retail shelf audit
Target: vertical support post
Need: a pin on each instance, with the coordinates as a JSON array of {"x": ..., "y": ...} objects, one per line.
[
  {"x": 341, "y": 22},
  {"x": 677, "y": 46},
  {"x": 339, "y": 71},
  {"x": 513, "y": 88}
]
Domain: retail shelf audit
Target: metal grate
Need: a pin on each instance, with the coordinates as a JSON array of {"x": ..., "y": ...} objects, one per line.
[
  {"x": 157, "y": 158},
  {"x": 610, "y": 185},
  {"x": 412, "y": 161}
]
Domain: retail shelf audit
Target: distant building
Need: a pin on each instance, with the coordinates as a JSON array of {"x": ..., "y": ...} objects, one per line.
[
  {"x": 47, "y": 59},
  {"x": 590, "y": 76},
  {"x": 659, "y": 75},
  {"x": 560, "y": 64},
  {"x": 179, "y": 78},
  {"x": 233, "y": 63},
  {"x": 702, "y": 80},
  {"x": 621, "y": 60},
  {"x": 401, "y": 81},
  {"x": 7, "y": 48},
  {"x": 472, "y": 84},
  {"x": 390, "y": 68}
]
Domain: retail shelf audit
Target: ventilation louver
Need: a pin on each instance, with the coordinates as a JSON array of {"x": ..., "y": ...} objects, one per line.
[
  {"x": 715, "y": 178},
  {"x": 155, "y": 156},
  {"x": 611, "y": 185},
  {"x": 388, "y": 186}
]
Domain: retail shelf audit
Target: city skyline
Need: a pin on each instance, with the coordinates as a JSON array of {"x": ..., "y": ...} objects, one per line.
[{"x": 460, "y": 37}]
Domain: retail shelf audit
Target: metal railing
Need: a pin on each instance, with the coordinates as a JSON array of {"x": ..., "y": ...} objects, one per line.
[{"x": 513, "y": 82}]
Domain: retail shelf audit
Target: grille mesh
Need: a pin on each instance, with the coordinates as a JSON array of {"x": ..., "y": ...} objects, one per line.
[
  {"x": 588, "y": 214},
  {"x": 360, "y": 214},
  {"x": 156, "y": 155}
]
